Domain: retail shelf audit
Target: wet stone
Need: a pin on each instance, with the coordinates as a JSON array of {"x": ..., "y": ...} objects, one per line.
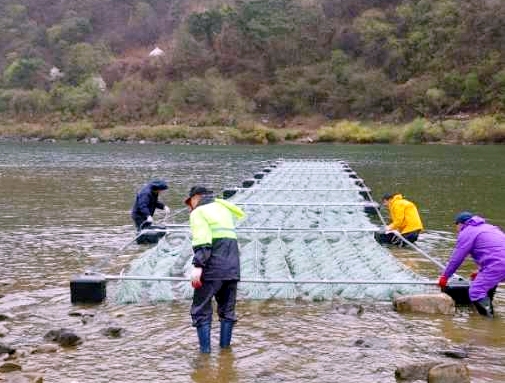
[
  {"x": 6, "y": 317},
  {"x": 415, "y": 371},
  {"x": 64, "y": 337},
  {"x": 9, "y": 367},
  {"x": 5, "y": 349},
  {"x": 113, "y": 331},
  {"x": 449, "y": 373}
]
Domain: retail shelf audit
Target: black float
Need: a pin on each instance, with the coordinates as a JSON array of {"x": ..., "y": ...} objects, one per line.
[
  {"x": 248, "y": 183},
  {"x": 88, "y": 288},
  {"x": 259, "y": 176},
  {"x": 151, "y": 235},
  {"x": 365, "y": 195},
  {"x": 458, "y": 291},
  {"x": 227, "y": 193}
]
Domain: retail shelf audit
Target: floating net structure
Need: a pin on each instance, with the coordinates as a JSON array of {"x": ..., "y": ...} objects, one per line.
[{"x": 308, "y": 235}]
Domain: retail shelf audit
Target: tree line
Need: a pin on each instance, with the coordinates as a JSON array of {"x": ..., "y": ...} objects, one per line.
[{"x": 387, "y": 60}]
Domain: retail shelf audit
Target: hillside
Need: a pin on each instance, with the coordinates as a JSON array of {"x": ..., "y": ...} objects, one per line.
[{"x": 225, "y": 61}]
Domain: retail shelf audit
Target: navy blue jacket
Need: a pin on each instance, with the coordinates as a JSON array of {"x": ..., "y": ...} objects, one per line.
[{"x": 146, "y": 203}]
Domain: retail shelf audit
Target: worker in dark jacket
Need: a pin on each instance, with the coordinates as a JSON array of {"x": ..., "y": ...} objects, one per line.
[
  {"x": 146, "y": 202},
  {"x": 216, "y": 263}
]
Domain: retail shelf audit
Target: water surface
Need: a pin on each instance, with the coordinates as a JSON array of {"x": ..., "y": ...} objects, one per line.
[{"x": 66, "y": 206}]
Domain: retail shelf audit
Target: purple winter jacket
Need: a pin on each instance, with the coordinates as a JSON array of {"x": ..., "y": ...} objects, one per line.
[{"x": 484, "y": 242}]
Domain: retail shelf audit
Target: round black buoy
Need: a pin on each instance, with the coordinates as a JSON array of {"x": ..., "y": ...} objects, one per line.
[
  {"x": 227, "y": 193},
  {"x": 267, "y": 170},
  {"x": 259, "y": 176},
  {"x": 248, "y": 183},
  {"x": 88, "y": 288}
]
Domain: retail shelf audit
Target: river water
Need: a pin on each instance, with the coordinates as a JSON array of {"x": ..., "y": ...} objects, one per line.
[{"x": 65, "y": 207}]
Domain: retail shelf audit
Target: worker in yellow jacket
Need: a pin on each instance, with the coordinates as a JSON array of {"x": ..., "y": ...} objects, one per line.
[
  {"x": 405, "y": 219},
  {"x": 216, "y": 263}
]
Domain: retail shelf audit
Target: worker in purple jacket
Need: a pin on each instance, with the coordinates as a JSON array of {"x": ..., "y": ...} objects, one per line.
[{"x": 486, "y": 245}]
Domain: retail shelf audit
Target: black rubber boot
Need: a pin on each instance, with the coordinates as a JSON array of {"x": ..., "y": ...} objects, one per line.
[
  {"x": 484, "y": 307},
  {"x": 204, "y": 337},
  {"x": 225, "y": 335}
]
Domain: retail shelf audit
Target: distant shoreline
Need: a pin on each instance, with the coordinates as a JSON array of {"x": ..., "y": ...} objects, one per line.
[{"x": 476, "y": 130}]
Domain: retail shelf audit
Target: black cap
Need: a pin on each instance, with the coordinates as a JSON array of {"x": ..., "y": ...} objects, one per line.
[
  {"x": 387, "y": 196},
  {"x": 195, "y": 190}
]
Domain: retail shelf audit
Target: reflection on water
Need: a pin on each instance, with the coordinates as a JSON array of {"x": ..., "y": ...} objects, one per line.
[{"x": 65, "y": 207}]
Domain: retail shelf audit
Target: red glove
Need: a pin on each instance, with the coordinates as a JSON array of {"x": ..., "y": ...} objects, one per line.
[
  {"x": 442, "y": 281},
  {"x": 196, "y": 284},
  {"x": 473, "y": 275},
  {"x": 196, "y": 275}
]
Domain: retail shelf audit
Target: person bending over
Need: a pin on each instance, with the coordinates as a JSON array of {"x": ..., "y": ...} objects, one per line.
[
  {"x": 146, "y": 202},
  {"x": 405, "y": 219},
  {"x": 485, "y": 243}
]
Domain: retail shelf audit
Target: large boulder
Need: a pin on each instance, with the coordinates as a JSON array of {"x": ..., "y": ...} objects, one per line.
[
  {"x": 425, "y": 303},
  {"x": 449, "y": 373},
  {"x": 414, "y": 371}
]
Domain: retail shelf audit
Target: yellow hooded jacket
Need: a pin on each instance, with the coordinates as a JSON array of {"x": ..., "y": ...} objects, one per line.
[
  {"x": 404, "y": 215},
  {"x": 213, "y": 221}
]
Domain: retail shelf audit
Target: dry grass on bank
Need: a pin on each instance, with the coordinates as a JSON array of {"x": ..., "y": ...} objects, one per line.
[{"x": 484, "y": 129}]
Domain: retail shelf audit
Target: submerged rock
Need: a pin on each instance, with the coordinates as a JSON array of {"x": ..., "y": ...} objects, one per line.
[
  {"x": 456, "y": 353},
  {"x": 350, "y": 309},
  {"x": 64, "y": 337},
  {"x": 4, "y": 349},
  {"x": 113, "y": 331},
  {"x": 9, "y": 367}
]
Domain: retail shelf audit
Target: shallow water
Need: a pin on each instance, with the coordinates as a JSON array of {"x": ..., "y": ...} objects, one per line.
[{"x": 66, "y": 206}]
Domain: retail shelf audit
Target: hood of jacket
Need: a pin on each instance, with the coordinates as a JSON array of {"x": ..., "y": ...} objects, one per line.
[
  {"x": 474, "y": 221},
  {"x": 235, "y": 210}
]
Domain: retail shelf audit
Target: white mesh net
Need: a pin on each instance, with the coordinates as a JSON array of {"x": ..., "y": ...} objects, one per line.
[{"x": 306, "y": 221}]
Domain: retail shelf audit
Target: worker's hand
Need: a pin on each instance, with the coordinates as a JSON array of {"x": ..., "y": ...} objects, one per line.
[
  {"x": 149, "y": 219},
  {"x": 196, "y": 275},
  {"x": 167, "y": 209},
  {"x": 442, "y": 281},
  {"x": 473, "y": 275}
]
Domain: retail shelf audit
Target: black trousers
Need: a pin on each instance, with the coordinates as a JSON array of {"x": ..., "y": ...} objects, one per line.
[
  {"x": 392, "y": 239},
  {"x": 225, "y": 293}
]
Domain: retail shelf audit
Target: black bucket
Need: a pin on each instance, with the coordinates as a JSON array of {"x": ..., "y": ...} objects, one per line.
[
  {"x": 458, "y": 291},
  {"x": 151, "y": 235}
]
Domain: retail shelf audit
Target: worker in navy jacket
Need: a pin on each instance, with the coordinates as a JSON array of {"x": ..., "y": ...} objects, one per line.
[{"x": 146, "y": 202}]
